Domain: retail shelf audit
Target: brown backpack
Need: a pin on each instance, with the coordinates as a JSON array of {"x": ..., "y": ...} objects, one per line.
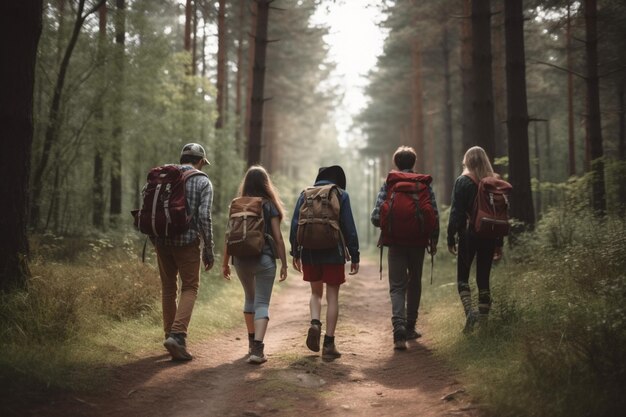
[
  {"x": 490, "y": 213},
  {"x": 318, "y": 222},
  {"x": 245, "y": 235}
]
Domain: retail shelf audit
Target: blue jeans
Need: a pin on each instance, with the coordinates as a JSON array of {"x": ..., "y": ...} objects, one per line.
[{"x": 257, "y": 278}]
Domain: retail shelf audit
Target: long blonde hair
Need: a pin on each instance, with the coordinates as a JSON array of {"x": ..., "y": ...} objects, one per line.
[
  {"x": 257, "y": 183},
  {"x": 476, "y": 163}
]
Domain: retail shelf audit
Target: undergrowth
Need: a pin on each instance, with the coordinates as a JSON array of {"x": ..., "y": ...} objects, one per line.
[{"x": 556, "y": 337}]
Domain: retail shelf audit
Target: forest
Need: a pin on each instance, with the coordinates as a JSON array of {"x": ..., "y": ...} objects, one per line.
[{"x": 94, "y": 93}]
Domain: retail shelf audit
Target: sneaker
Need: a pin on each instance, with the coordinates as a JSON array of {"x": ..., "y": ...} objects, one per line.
[
  {"x": 257, "y": 356},
  {"x": 412, "y": 334},
  {"x": 177, "y": 347},
  {"x": 470, "y": 322},
  {"x": 313, "y": 337},
  {"x": 330, "y": 352},
  {"x": 399, "y": 338}
]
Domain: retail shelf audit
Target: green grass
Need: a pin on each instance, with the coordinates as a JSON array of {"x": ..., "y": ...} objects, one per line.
[
  {"x": 555, "y": 343},
  {"x": 91, "y": 305}
]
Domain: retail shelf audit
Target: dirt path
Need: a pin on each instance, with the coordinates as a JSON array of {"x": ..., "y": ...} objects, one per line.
[{"x": 370, "y": 379}]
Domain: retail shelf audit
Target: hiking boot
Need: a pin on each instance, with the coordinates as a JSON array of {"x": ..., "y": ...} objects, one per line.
[
  {"x": 470, "y": 322},
  {"x": 412, "y": 334},
  {"x": 399, "y": 338},
  {"x": 177, "y": 347},
  {"x": 330, "y": 352},
  {"x": 257, "y": 356},
  {"x": 313, "y": 337}
]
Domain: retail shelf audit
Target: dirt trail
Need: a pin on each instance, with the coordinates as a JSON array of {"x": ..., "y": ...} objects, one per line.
[{"x": 370, "y": 379}]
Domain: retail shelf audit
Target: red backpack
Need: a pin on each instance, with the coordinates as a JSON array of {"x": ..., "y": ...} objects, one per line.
[
  {"x": 164, "y": 209},
  {"x": 490, "y": 213},
  {"x": 407, "y": 217}
]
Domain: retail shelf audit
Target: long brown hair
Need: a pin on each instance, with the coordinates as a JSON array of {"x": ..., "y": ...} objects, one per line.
[
  {"x": 257, "y": 183},
  {"x": 476, "y": 163}
]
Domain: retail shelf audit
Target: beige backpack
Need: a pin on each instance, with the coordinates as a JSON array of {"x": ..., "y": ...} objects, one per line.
[
  {"x": 245, "y": 234},
  {"x": 318, "y": 222}
]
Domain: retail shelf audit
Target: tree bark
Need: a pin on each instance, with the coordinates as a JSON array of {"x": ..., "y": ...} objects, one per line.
[
  {"x": 239, "y": 79},
  {"x": 467, "y": 80},
  {"x": 499, "y": 85},
  {"x": 221, "y": 63},
  {"x": 594, "y": 125},
  {"x": 251, "y": 54},
  {"x": 54, "y": 116},
  {"x": 117, "y": 114},
  {"x": 98, "y": 163},
  {"x": 258, "y": 83},
  {"x": 187, "y": 34},
  {"x": 571, "y": 136},
  {"x": 20, "y": 28},
  {"x": 517, "y": 121},
  {"x": 194, "y": 47},
  {"x": 417, "y": 105},
  {"x": 484, "y": 135},
  {"x": 448, "y": 168}
]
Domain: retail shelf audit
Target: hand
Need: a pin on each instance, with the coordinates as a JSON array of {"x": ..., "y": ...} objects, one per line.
[
  {"x": 208, "y": 259},
  {"x": 283, "y": 273},
  {"x": 497, "y": 254},
  {"x": 297, "y": 264},
  {"x": 226, "y": 271},
  {"x": 432, "y": 249},
  {"x": 452, "y": 249},
  {"x": 354, "y": 269}
]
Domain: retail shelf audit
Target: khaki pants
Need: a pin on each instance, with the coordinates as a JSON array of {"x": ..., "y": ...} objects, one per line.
[{"x": 174, "y": 260}]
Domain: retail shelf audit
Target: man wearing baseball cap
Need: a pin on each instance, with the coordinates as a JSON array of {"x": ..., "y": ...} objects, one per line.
[{"x": 181, "y": 254}]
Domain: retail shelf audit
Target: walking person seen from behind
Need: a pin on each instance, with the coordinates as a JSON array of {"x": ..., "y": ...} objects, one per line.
[
  {"x": 181, "y": 255},
  {"x": 254, "y": 241},
  {"x": 323, "y": 237},
  {"x": 476, "y": 167},
  {"x": 406, "y": 212}
]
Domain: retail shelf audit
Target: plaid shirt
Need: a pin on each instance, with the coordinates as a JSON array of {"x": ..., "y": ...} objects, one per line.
[
  {"x": 382, "y": 195},
  {"x": 199, "y": 194}
]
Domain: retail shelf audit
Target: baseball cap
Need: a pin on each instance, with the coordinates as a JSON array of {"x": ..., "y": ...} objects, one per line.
[{"x": 194, "y": 149}]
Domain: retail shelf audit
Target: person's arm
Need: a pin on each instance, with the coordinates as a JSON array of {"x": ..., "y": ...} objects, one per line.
[
  {"x": 434, "y": 237},
  {"x": 380, "y": 198},
  {"x": 348, "y": 228},
  {"x": 293, "y": 233},
  {"x": 205, "y": 225},
  {"x": 280, "y": 246},
  {"x": 455, "y": 212},
  {"x": 226, "y": 263}
]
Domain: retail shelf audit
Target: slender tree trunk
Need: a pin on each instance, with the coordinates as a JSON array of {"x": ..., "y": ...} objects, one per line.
[
  {"x": 20, "y": 28},
  {"x": 499, "y": 84},
  {"x": 571, "y": 138},
  {"x": 117, "y": 114},
  {"x": 221, "y": 63},
  {"x": 100, "y": 141},
  {"x": 537, "y": 167},
  {"x": 417, "y": 106},
  {"x": 517, "y": 123},
  {"x": 187, "y": 35},
  {"x": 467, "y": 79},
  {"x": 258, "y": 83},
  {"x": 254, "y": 17},
  {"x": 194, "y": 47},
  {"x": 54, "y": 116},
  {"x": 622, "y": 149},
  {"x": 593, "y": 107},
  {"x": 484, "y": 135},
  {"x": 239, "y": 79},
  {"x": 448, "y": 155}
]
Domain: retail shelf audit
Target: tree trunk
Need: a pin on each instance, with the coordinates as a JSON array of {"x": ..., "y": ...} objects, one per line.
[
  {"x": 499, "y": 85},
  {"x": 593, "y": 107},
  {"x": 20, "y": 28},
  {"x": 239, "y": 79},
  {"x": 571, "y": 138},
  {"x": 258, "y": 83},
  {"x": 221, "y": 63},
  {"x": 187, "y": 35},
  {"x": 448, "y": 165},
  {"x": 54, "y": 116},
  {"x": 622, "y": 150},
  {"x": 194, "y": 47},
  {"x": 417, "y": 106},
  {"x": 467, "y": 80},
  {"x": 254, "y": 12},
  {"x": 100, "y": 141},
  {"x": 537, "y": 170},
  {"x": 484, "y": 135},
  {"x": 117, "y": 114},
  {"x": 517, "y": 122}
]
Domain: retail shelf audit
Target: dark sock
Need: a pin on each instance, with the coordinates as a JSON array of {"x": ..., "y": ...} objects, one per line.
[
  {"x": 316, "y": 321},
  {"x": 250, "y": 336},
  {"x": 329, "y": 340}
]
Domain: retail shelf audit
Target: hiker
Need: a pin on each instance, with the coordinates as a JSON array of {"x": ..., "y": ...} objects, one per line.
[
  {"x": 406, "y": 212},
  {"x": 476, "y": 167},
  {"x": 181, "y": 254},
  {"x": 323, "y": 237},
  {"x": 257, "y": 271}
]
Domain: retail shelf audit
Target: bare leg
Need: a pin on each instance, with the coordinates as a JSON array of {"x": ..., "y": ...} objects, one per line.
[
  {"x": 315, "y": 304},
  {"x": 332, "y": 310}
]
